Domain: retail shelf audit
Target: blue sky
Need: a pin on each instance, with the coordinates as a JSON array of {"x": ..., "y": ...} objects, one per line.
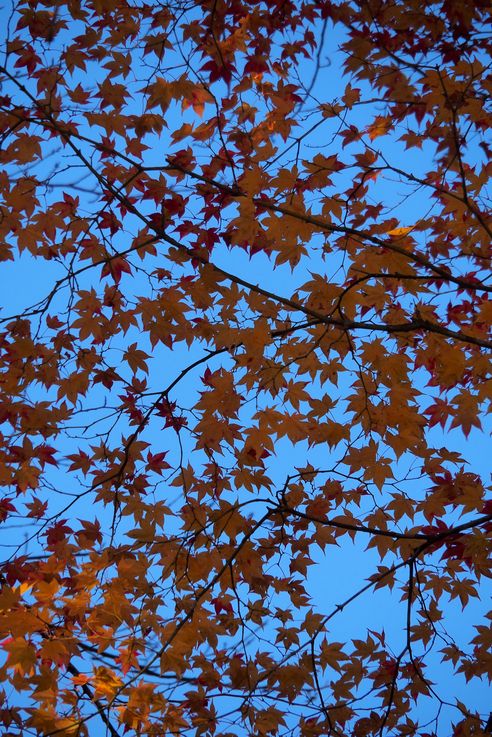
[{"x": 338, "y": 573}]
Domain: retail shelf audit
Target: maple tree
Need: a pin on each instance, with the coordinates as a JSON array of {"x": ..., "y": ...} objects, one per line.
[{"x": 251, "y": 241}]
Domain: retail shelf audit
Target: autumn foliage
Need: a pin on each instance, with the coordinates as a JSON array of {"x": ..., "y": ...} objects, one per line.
[{"x": 245, "y": 368}]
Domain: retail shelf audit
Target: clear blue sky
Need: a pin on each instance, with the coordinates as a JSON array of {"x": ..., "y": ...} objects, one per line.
[{"x": 338, "y": 573}]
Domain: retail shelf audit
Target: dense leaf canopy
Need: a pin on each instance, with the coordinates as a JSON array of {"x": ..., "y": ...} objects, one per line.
[{"x": 245, "y": 367}]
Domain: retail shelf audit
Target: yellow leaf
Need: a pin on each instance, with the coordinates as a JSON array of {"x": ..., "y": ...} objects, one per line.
[{"x": 396, "y": 232}]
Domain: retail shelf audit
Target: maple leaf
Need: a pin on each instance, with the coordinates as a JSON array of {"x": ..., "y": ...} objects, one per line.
[
  {"x": 239, "y": 371},
  {"x": 21, "y": 654},
  {"x": 136, "y": 358},
  {"x": 90, "y": 534},
  {"x": 45, "y": 453},
  {"x": 379, "y": 127},
  {"x": 57, "y": 533},
  {"x": 6, "y": 506},
  {"x": 27, "y": 58},
  {"x": 109, "y": 221},
  {"x": 156, "y": 462},
  {"x": 115, "y": 268}
]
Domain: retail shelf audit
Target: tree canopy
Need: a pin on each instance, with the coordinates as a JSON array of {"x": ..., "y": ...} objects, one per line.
[{"x": 245, "y": 368}]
